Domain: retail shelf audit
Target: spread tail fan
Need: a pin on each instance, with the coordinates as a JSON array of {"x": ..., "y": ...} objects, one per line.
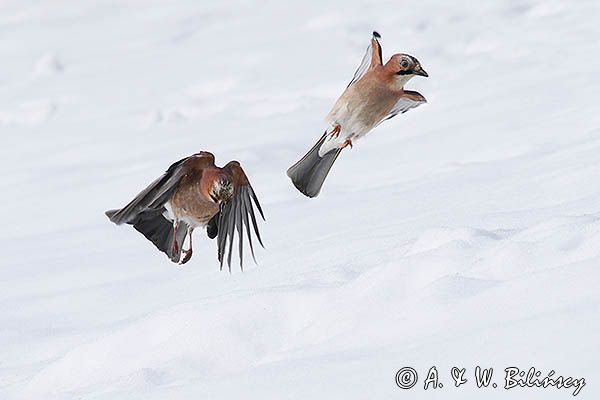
[{"x": 308, "y": 174}]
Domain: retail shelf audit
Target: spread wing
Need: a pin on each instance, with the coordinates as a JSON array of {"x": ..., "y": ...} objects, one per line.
[
  {"x": 408, "y": 100},
  {"x": 236, "y": 215},
  {"x": 372, "y": 57},
  {"x": 156, "y": 194}
]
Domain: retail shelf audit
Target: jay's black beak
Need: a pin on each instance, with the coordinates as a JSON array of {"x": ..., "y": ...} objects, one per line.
[{"x": 420, "y": 71}]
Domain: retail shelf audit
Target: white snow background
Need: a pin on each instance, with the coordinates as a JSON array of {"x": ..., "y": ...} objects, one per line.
[{"x": 465, "y": 232}]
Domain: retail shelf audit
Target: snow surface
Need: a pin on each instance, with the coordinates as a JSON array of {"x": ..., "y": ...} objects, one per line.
[{"x": 465, "y": 232}]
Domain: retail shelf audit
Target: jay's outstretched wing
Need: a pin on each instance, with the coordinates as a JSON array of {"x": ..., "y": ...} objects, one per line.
[
  {"x": 372, "y": 57},
  {"x": 156, "y": 194},
  {"x": 236, "y": 214},
  {"x": 409, "y": 99}
]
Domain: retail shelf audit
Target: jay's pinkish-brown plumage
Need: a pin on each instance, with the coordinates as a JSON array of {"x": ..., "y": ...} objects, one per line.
[
  {"x": 375, "y": 93},
  {"x": 195, "y": 192}
]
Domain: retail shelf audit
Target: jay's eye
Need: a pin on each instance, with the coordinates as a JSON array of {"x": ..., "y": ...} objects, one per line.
[{"x": 404, "y": 63}]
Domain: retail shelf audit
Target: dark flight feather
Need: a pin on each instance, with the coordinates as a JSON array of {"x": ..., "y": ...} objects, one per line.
[
  {"x": 234, "y": 216},
  {"x": 152, "y": 197}
]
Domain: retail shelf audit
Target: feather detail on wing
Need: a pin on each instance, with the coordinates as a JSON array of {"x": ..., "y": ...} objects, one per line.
[
  {"x": 372, "y": 57},
  {"x": 409, "y": 99},
  {"x": 236, "y": 215},
  {"x": 157, "y": 193}
]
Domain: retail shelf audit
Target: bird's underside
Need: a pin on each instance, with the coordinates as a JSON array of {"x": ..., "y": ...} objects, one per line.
[{"x": 192, "y": 193}]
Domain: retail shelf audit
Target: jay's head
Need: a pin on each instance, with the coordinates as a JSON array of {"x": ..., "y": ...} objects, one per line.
[
  {"x": 405, "y": 66},
  {"x": 221, "y": 190}
]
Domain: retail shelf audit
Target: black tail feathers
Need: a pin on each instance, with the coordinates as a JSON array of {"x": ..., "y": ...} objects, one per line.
[
  {"x": 308, "y": 174},
  {"x": 159, "y": 230},
  {"x": 212, "y": 228}
]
